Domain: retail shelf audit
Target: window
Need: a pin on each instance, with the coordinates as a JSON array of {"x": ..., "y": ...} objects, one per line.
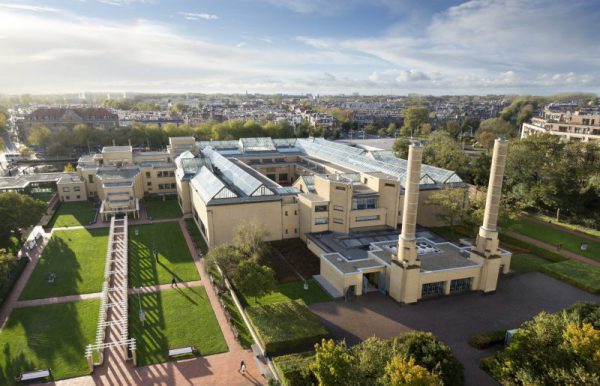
[
  {"x": 295, "y": 213},
  {"x": 283, "y": 177},
  {"x": 149, "y": 183},
  {"x": 271, "y": 176},
  {"x": 171, "y": 173},
  {"x": 77, "y": 189},
  {"x": 286, "y": 213},
  {"x": 68, "y": 197},
  {"x": 286, "y": 231},
  {"x": 338, "y": 208},
  {"x": 321, "y": 208},
  {"x": 91, "y": 178},
  {"x": 147, "y": 174},
  {"x": 340, "y": 188},
  {"x": 78, "y": 196},
  {"x": 365, "y": 203},
  {"x": 390, "y": 185},
  {"x": 461, "y": 285},
  {"x": 322, "y": 220},
  {"x": 338, "y": 220},
  {"x": 367, "y": 218},
  {"x": 66, "y": 189},
  {"x": 295, "y": 230},
  {"x": 432, "y": 289}
]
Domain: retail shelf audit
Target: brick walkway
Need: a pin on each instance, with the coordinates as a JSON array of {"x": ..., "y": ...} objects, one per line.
[{"x": 552, "y": 248}]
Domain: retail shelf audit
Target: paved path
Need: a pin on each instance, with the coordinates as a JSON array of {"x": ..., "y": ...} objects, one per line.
[{"x": 552, "y": 248}]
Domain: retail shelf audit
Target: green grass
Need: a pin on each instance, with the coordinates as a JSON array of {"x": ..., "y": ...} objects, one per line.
[
  {"x": 581, "y": 275},
  {"x": 589, "y": 231},
  {"x": 237, "y": 321},
  {"x": 196, "y": 235},
  {"x": 52, "y": 336},
  {"x": 77, "y": 258},
  {"x": 174, "y": 258},
  {"x": 71, "y": 214},
  {"x": 291, "y": 291},
  {"x": 175, "y": 318},
  {"x": 554, "y": 237},
  {"x": 526, "y": 262},
  {"x": 286, "y": 327},
  {"x": 158, "y": 209}
]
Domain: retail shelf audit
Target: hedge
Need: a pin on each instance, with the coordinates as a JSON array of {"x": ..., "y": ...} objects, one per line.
[
  {"x": 286, "y": 327},
  {"x": 576, "y": 273},
  {"x": 8, "y": 284},
  {"x": 539, "y": 251},
  {"x": 486, "y": 339},
  {"x": 294, "y": 370}
]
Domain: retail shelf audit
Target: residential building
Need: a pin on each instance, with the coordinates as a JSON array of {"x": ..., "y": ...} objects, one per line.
[
  {"x": 569, "y": 125},
  {"x": 55, "y": 117}
]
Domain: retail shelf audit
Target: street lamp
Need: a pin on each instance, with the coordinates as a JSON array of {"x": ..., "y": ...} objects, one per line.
[{"x": 141, "y": 313}]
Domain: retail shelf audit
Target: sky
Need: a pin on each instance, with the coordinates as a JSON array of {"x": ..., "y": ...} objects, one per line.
[{"x": 437, "y": 47}]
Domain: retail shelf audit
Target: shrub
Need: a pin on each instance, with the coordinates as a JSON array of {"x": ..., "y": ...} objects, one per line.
[
  {"x": 486, "y": 339},
  {"x": 286, "y": 327},
  {"x": 294, "y": 370},
  {"x": 7, "y": 285}
]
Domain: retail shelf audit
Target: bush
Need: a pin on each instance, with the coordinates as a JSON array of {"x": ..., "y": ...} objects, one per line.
[
  {"x": 293, "y": 369},
  {"x": 7, "y": 285},
  {"x": 539, "y": 251},
  {"x": 486, "y": 339},
  {"x": 286, "y": 327}
]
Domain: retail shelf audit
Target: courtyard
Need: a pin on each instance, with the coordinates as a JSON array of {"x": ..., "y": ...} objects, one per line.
[{"x": 452, "y": 319}]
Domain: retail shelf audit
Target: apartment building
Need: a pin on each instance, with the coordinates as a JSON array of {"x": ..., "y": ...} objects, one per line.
[
  {"x": 55, "y": 117},
  {"x": 569, "y": 125}
]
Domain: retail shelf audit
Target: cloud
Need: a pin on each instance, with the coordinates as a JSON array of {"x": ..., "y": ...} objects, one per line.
[
  {"x": 314, "y": 42},
  {"x": 120, "y": 3},
  {"x": 27, "y": 7},
  {"x": 198, "y": 16}
]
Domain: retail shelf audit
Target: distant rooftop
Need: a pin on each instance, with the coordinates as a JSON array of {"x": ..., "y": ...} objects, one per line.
[{"x": 115, "y": 149}]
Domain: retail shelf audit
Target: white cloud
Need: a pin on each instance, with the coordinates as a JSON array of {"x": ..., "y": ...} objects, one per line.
[
  {"x": 120, "y": 3},
  {"x": 198, "y": 16},
  {"x": 314, "y": 42},
  {"x": 27, "y": 7}
]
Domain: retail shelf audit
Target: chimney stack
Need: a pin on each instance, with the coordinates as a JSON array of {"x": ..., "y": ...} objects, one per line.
[
  {"x": 492, "y": 202},
  {"x": 406, "y": 244}
]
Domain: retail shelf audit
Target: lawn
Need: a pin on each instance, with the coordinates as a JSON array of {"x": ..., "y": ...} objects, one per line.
[
  {"x": 77, "y": 257},
  {"x": 286, "y": 327},
  {"x": 158, "y": 209},
  {"x": 554, "y": 237},
  {"x": 174, "y": 318},
  {"x": 526, "y": 262},
  {"x": 174, "y": 258},
  {"x": 581, "y": 275},
  {"x": 196, "y": 235},
  {"x": 52, "y": 336},
  {"x": 291, "y": 291},
  {"x": 70, "y": 214}
]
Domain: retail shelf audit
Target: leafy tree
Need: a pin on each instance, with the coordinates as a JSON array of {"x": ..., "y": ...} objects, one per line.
[
  {"x": 226, "y": 257},
  {"x": 69, "y": 168},
  {"x": 426, "y": 129},
  {"x": 26, "y": 152},
  {"x": 249, "y": 239},
  {"x": 253, "y": 279},
  {"x": 382, "y": 132},
  {"x": 492, "y": 128},
  {"x": 444, "y": 152},
  {"x": 333, "y": 365},
  {"x": 452, "y": 204},
  {"x": 400, "y": 147},
  {"x": 372, "y": 355},
  {"x": 392, "y": 128},
  {"x": 402, "y": 372},
  {"x": 179, "y": 108},
  {"x": 414, "y": 118},
  {"x": 452, "y": 128},
  {"x": 7, "y": 263},
  {"x": 19, "y": 211},
  {"x": 39, "y": 136},
  {"x": 371, "y": 129}
]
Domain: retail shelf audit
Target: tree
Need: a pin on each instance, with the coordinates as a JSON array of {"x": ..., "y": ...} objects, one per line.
[
  {"x": 371, "y": 129},
  {"x": 7, "y": 263},
  {"x": 225, "y": 257},
  {"x": 392, "y": 128},
  {"x": 249, "y": 240},
  {"x": 179, "y": 108},
  {"x": 253, "y": 279},
  {"x": 444, "y": 152},
  {"x": 39, "y": 136},
  {"x": 26, "y": 152},
  {"x": 493, "y": 128},
  {"x": 452, "y": 204},
  {"x": 400, "y": 147},
  {"x": 400, "y": 372},
  {"x": 452, "y": 128},
  {"x": 426, "y": 129},
  {"x": 333, "y": 364},
  {"x": 19, "y": 211},
  {"x": 414, "y": 118},
  {"x": 68, "y": 168}
]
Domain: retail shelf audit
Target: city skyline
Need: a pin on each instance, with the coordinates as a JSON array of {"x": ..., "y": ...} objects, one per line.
[{"x": 315, "y": 46}]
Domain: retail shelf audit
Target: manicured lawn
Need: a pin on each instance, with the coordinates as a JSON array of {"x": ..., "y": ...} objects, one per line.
[
  {"x": 77, "y": 257},
  {"x": 174, "y": 258},
  {"x": 555, "y": 237},
  {"x": 291, "y": 291},
  {"x": 196, "y": 235},
  {"x": 158, "y": 209},
  {"x": 526, "y": 262},
  {"x": 174, "y": 318},
  {"x": 584, "y": 276},
  {"x": 52, "y": 336},
  {"x": 589, "y": 231},
  {"x": 286, "y": 327},
  {"x": 71, "y": 214}
]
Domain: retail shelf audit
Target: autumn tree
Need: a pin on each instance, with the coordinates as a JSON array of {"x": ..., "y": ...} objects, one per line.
[
  {"x": 414, "y": 118},
  {"x": 402, "y": 372},
  {"x": 333, "y": 364},
  {"x": 249, "y": 239},
  {"x": 39, "y": 136},
  {"x": 400, "y": 147}
]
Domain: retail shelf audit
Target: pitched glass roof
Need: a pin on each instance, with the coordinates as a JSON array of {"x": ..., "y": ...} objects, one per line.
[
  {"x": 210, "y": 186},
  {"x": 257, "y": 144}
]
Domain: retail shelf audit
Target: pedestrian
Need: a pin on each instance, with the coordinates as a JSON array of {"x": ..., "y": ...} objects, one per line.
[
  {"x": 242, "y": 367},
  {"x": 173, "y": 282}
]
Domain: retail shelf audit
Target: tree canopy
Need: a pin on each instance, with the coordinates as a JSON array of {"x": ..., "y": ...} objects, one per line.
[
  {"x": 254, "y": 279},
  {"x": 19, "y": 211}
]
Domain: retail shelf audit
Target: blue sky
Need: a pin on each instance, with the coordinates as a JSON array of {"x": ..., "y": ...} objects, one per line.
[{"x": 300, "y": 46}]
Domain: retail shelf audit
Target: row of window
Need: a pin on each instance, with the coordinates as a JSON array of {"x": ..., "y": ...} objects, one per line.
[
  {"x": 161, "y": 174},
  {"x": 75, "y": 189},
  {"x": 337, "y": 220},
  {"x": 365, "y": 203},
  {"x": 166, "y": 186},
  {"x": 67, "y": 197},
  {"x": 295, "y": 213}
]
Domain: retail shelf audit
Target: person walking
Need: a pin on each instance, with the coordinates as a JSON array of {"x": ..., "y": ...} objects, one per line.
[
  {"x": 173, "y": 282},
  {"x": 242, "y": 367}
]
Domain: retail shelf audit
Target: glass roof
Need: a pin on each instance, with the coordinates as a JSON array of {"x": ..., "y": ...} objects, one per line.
[
  {"x": 210, "y": 186},
  {"x": 257, "y": 144}
]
